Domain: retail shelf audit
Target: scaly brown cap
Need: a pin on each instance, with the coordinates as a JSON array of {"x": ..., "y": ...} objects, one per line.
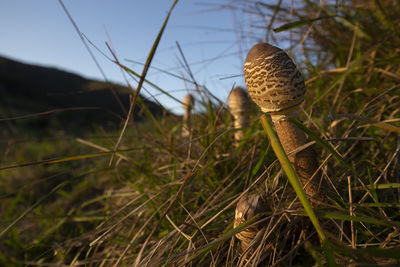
[{"x": 273, "y": 81}]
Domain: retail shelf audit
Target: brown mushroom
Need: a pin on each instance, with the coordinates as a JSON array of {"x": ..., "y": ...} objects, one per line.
[
  {"x": 239, "y": 104},
  {"x": 188, "y": 105},
  {"x": 248, "y": 206},
  {"x": 277, "y": 87}
]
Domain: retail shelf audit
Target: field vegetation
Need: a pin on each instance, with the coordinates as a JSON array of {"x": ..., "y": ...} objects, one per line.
[{"x": 148, "y": 196}]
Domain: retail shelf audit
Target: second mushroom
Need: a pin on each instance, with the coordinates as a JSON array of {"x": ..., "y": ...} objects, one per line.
[{"x": 239, "y": 105}]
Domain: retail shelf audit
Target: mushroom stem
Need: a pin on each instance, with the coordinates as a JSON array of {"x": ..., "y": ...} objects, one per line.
[
  {"x": 239, "y": 122},
  {"x": 186, "y": 116},
  {"x": 304, "y": 162},
  {"x": 186, "y": 123}
]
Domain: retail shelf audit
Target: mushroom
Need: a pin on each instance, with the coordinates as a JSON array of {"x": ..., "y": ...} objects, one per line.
[
  {"x": 277, "y": 87},
  {"x": 188, "y": 104},
  {"x": 248, "y": 206},
  {"x": 239, "y": 105}
]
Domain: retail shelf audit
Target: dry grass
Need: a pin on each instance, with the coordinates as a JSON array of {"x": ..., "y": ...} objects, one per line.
[{"x": 170, "y": 201}]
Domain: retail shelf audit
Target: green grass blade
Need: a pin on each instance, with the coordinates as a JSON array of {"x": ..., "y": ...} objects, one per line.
[
  {"x": 296, "y": 24},
  {"x": 378, "y": 124},
  {"x": 328, "y": 249},
  {"x": 292, "y": 176},
  {"x": 134, "y": 73},
  {"x": 381, "y": 186},
  {"x": 150, "y": 115},
  {"x": 353, "y": 26},
  {"x": 392, "y": 253},
  {"x": 366, "y": 253},
  {"x": 349, "y": 70},
  {"x": 41, "y": 200},
  {"x": 315, "y": 253},
  {"x": 372, "y": 188},
  {"x": 144, "y": 72},
  {"x": 152, "y": 52},
  {"x": 363, "y": 219},
  {"x": 378, "y": 205},
  {"x": 322, "y": 143},
  {"x": 66, "y": 159},
  {"x": 226, "y": 236},
  {"x": 259, "y": 163}
]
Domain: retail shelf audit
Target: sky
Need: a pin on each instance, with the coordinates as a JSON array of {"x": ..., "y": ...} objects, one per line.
[{"x": 214, "y": 41}]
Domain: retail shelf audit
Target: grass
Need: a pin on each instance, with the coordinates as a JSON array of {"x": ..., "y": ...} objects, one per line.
[{"x": 167, "y": 200}]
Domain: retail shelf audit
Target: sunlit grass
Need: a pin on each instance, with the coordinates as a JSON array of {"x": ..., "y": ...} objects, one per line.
[{"x": 170, "y": 200}]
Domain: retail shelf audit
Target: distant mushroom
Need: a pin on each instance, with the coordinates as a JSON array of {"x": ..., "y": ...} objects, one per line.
[
  {"x": 277, "y": 87},
  {"x": 188, "y": 105},
  {"x": 239, "y": 104}
]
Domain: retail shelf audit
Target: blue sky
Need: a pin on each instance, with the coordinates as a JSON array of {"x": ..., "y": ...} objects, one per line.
[{"x": 39, "y": 32}]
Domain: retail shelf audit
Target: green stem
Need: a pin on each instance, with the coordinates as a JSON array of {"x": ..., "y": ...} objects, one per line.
[{"x": 291, "y": 174}]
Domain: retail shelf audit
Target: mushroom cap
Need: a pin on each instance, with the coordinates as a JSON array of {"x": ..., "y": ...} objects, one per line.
[
  {"x": 188, "y": 102},
  {"x": 248, "y": 206},
  {"x": 273, "y": 81},
  {"x": 239, "y": 100}
]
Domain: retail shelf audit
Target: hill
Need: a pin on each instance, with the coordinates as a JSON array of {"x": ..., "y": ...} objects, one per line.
[{"x": 66, "y": 99}]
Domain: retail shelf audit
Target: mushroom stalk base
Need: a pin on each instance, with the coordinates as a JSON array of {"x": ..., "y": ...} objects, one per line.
[{"x": 305, "y": 162}]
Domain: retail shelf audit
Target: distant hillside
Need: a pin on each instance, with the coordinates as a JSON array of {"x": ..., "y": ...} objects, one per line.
[{"x": 26, "y": 89}]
